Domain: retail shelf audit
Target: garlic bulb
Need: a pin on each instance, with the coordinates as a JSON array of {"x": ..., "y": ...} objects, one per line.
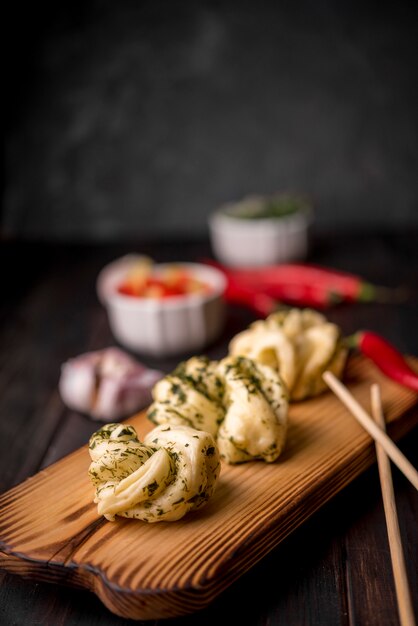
[{"x": 107, "y": 384}]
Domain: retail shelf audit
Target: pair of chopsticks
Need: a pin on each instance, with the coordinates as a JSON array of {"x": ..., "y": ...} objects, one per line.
[{"x": 385, "y": 450}]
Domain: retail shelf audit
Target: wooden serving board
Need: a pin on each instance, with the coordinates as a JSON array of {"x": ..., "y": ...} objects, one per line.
[{"x": 50, "y": 529}]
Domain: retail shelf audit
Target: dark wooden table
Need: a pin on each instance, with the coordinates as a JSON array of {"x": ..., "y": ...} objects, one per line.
[{"x": 333, "y": 570}]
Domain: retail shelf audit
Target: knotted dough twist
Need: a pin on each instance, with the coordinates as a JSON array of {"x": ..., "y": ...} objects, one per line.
[
  {"x": 300, "y": 344},
  {"x": 174, "y": 470},
  {"x": 242, "y": 403}
]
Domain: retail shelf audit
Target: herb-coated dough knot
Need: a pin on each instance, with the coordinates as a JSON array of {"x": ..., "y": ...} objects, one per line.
[
  {"x": 256, "y": 411},
  {"x": 191, "y": 395},
  {"x": 174, "y": 470},
  {"x": 241, "y": 403},
  {"x": 300, "y": 344}
]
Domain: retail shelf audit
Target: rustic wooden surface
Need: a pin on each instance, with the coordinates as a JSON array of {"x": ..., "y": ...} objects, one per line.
[
  {"x": 335, "y": 569},
  {"x": 151, "y": 571}
]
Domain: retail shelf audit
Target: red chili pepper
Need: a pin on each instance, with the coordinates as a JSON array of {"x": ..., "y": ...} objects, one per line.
[
  {"x": 387, "y": 358},
  {"x": 260, "y": 303},
  {"x": 302, "y": 284}
]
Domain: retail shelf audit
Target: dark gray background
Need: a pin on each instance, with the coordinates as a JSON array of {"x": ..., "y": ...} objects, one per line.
[{"x": 130, "y": 119}]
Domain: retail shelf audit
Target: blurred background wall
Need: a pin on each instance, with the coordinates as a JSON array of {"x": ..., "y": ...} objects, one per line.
[{"x": 127, "y": 119}]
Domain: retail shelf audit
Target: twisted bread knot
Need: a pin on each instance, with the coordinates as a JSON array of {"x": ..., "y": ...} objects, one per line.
[
  {"x": 174, "y": 470},
  {"x": 242, "y": 403},
  {"x": 256, "y": 407},
  {"x": 300, "y": 344},
  {"x": 191, "y": 395}
]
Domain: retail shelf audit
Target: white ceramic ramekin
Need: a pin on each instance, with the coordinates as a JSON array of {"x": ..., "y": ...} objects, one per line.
[
  {"x": 240, "y": 241},
  {"x": 163, "y": 327}
]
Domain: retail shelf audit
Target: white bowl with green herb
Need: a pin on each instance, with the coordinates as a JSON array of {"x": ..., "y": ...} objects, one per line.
[{"x": 261, "y": 230}]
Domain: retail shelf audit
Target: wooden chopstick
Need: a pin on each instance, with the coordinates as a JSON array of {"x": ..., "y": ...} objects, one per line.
[
  {"x": 406, "y": 614},
  {"x": 371, "y": 427}
]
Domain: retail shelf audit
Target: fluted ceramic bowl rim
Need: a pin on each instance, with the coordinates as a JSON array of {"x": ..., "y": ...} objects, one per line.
[
  {"x": 112, "y": 274},
  {"x": 226, "y": 216}
]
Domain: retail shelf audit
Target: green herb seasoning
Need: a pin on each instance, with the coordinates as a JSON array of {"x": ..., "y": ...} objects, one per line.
[{"x": 278, "y": 206}]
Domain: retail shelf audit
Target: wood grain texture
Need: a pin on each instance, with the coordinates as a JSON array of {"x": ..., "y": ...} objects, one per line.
[{"x": 50, "y": 529}]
